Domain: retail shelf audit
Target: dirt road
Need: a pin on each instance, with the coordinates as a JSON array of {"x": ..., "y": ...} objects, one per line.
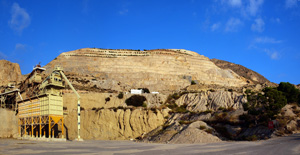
[{"x": 277, "y": 146}]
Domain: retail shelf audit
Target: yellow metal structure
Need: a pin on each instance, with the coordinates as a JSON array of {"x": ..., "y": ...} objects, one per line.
[{"x": 41, "y": 115}]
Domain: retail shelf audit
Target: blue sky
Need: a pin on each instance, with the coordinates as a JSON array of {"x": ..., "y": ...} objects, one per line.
[{"x": 262, "y": 35}]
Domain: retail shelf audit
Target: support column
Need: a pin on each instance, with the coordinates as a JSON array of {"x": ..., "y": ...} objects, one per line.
[
  {"x": 31, "y": 126},
  {"x": 49, "y": 123},
  {"x": 62, "y": 127},
  {"x": 19, "y": 127},
  {"x": 25, "y": 126},
  {"x": 78, "y": 119},
  {"x": 40, "y": 126}
]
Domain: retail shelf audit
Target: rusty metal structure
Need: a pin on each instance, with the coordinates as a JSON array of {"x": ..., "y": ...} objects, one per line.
[
  {"x": 41, "y": 107},
  {"x": 8, "y": 96}
]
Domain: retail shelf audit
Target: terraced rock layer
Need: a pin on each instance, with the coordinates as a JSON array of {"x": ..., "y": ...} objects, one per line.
[{"x": 156, "y": 70}]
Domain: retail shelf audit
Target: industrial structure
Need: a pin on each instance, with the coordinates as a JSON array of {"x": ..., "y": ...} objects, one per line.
[
  {"x": 41, "y": 107},
  {"x": 8, "y": 97}
]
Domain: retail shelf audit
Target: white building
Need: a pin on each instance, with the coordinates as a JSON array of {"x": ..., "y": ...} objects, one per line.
[{"x": 136, "y": 91}]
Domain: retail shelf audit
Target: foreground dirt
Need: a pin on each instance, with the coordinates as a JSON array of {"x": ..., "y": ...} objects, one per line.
[{"x": 277, "y": 146}]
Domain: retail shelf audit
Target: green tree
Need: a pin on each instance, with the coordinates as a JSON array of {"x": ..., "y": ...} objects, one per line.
[
  {"x": 290, "y": 92},
  {"x": 274, "y": 101}
]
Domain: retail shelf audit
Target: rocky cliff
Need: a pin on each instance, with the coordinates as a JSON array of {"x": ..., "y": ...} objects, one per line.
[
  {"x": 9, "y": 72},
  {"x": 200, "y": 102},
  {"x": 156, "y": 70},
  {"x": 113, "y": 124},
  {"x": 250, "y": 75}
]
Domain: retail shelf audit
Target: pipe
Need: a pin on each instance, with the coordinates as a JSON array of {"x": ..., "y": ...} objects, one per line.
[{"x": 78, "y": 102}]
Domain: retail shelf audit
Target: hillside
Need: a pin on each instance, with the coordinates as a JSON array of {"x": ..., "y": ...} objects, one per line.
[
  {"x": 250, "y": 75},
  {"x": 157, "y": 70},
  {"x": 9, "y": 72}
]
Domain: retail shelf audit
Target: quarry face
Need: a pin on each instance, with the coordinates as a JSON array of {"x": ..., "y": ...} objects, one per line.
[{"x": 157, "y": 70}]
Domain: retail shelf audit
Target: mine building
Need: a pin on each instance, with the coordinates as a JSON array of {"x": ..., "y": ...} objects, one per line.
[{"x": 40, "y": 110}]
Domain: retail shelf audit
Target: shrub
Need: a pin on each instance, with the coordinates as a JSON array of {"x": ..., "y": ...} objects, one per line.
[
  {"x": 121, "y": 95},
  {"x": 248, "y": 91},
  {"x": 202, "y": 127},
  {"x": 145, "y": 105},
  {"x": 246, "y": 106},
  {"x": 107, "y": 99},
  {"x": 221, "y": 108},
  {"x": 289, "y": 91},
  {"x": 210, "y": 131},
  {"x": 252, "y": 138},
  {"x": 223, "y": 131},
  {"x": 145, "y": 90},
  {"x": 193, "y": 82},
  {"x": 185, "y": 122},
  {"x": 181, "y": 109},
  {"x": 135, "y": 100},
  {"x": 207, "y": 111}
]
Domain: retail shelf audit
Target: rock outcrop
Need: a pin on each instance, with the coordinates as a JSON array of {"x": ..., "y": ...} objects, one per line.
[
  {"x": 200, "y": 102},
  {"x": 9, "y": 72},
  {"x": 156, "y": 70},
  {"x": 250, "y": 75}
]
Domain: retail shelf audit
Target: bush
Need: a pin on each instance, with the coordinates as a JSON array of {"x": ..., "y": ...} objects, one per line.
[
  {"x": 121, "y": 95},
  {"x": 107, "y": 99},
  {"x": 145, "y": 90},
  {"x": 252, "y": 138},
  {"x": 185, "y": 122},
  {"x": 248, "y": 91},
  {"x": 223, "y": 131},
  {"x": 221, "y": 108},
  {"x": 145, "y": 105},
  {"x": 210, "y": 131},
  {"x": 202, "y": 127},
  {"x": 193, "y": 82},
  {"x": 246, "y": 106},
  {"x": 207, "y": 111},
  {"x": 275, "y": 99},
  {"x": 289, "y": 91},
  {"x": 135, "y": 100},
  {"x": 181, "y": 109}
]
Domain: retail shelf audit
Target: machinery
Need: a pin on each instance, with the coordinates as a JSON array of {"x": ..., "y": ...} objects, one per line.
[
  {"x": 41, "y": 110},
  {"x": 8, "y": 96}
]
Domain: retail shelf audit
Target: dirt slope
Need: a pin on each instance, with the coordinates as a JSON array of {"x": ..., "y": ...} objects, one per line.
[{"x": 249, "y": 74}]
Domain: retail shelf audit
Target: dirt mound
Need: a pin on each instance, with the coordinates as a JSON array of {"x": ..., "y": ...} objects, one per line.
[{"x": 178, "y": 133}]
